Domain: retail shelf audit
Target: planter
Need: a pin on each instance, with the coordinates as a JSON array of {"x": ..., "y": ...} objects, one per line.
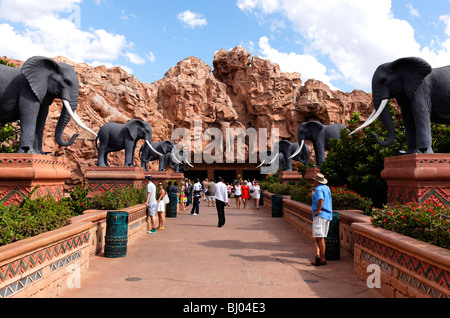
[
  {"x": 408, "y": 267},
  {"x": 46, "y": 265}
]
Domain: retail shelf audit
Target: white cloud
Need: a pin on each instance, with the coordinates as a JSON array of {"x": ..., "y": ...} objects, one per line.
[
  {"x": 356, "y": 36},
  {"x": 413, "y": 12},
  {"x": 192, "y": 19},
  {"x": 46, "y": 33},
  {"x": 151, "y": 57},
  {"x": 306, "y": 65}
]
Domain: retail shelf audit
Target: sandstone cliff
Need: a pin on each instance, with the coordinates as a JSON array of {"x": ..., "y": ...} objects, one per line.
[{"x": 241, "y": 92}]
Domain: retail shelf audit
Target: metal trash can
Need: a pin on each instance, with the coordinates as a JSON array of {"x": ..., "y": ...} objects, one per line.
[
  {"x": 261, "y": 198},
  {"x": 333, "y": 241},
  {"x": 277, "y": 206},
  {"x": 172, "y": 206},
  {"x": 116, "y": 238}
]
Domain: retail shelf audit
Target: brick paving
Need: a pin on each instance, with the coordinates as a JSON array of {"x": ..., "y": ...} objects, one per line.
[{"x": 252, "y": 256}]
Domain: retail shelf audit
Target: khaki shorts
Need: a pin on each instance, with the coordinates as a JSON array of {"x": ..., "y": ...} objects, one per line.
[
  {"x": 151, "y": 209},
  {"x": 320, "y": 227}
]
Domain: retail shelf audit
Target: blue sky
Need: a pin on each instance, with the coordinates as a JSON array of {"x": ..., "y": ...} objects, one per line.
[{"x": 339, "y": 42}]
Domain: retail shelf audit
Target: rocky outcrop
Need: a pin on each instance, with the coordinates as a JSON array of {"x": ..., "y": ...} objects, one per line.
[{"x": 241, "y": 92}]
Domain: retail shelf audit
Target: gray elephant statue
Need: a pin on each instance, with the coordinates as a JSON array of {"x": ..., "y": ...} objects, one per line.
[
  {"x": 423, "y": 94},
  {"x": 179, "y": 161},
  {"x": 26, "y": 94},
  {"x": 115, "y": 137},
  {"x": 285, "y": 151},
  {"x": 147, "y": 155},
  {"x": 320, "y": 135}
]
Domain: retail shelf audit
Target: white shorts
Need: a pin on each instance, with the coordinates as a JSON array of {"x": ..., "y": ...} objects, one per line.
[
  {"x": 211, "y": 198},
  {"x": 151, "y": 209},
  {"x": 320, "y": 227}
]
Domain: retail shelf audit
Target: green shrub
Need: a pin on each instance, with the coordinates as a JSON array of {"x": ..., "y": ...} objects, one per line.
[
  {"x": 345, "y": 199},
  {"x": 302, "y": 193},
  {"x": 279, "y": 188},
  {"x": 31, "y": 218},
  {"x": 428, "y": 223},
  {"x": 117, "y": 199}
]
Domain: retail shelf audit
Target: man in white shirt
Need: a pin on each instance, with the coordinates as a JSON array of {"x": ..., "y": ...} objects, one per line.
[
  {"x": 196, "y": 192},
  {"x": 151, "y": 203},
  {"x": 221, "y": 197}
]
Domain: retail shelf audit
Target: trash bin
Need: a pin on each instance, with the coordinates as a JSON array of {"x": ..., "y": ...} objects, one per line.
[
  {"x": 116, "y": 238},
  {"x": 261, "y": 198},
  {"x": 172, "y": 206},
  {"x": 277, "y": 206},
  {"x": 333, "y": 241}
]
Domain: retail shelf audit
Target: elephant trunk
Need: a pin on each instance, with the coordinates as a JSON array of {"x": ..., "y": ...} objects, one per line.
[
  {"x": 61, "y": 126},
  {"x": 386, "y": 119}
]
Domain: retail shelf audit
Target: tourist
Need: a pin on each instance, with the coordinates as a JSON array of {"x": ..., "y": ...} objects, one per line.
[
  {"x": 205, "y": 183},
  {"x": 172, "y": 190},
  {"x": 189, "y": 187},
  {"x": 161, "y": 206},
  {"x": 221, "y": 196},
  {"x": 183, "y": 198},
  {"x": 197, "y": 190},
  {"x": 151, "y": 204},
  {"x": 245, "y": 190},
  {"x": 238, "y": 194},
  {"x": 256, "y": 194},
  {"x": 210, "y": 194},
  {"x": 322, "y": 211}
]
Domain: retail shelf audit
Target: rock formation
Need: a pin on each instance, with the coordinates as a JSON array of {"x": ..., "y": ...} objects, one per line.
[{"x": 241, "y": 92}]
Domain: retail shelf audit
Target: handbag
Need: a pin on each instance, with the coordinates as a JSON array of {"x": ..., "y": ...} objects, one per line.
[{"x": 166, "y": 199}]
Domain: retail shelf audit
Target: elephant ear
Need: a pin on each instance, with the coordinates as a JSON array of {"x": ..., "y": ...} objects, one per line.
[
  {"x": 315, "y": 128},
  {"x": 37, "y": 70},
  {"x": 167, "y": 146},
  {"x": 133, "y": 128},
  {"x": 413, "y": 71}
]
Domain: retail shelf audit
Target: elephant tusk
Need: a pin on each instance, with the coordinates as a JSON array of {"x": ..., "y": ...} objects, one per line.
[
  {"x": 176, "y": 159},
  {"x": 189, "y": 164},
  {"x": 372, "y": 117},
  {"x": 76, "y": 118},
  {"x": 153, "y": 149},
  {"x": 298, "y": 150},
  {"x": 262, "y": 164},
  {"x": 274, "y": 159}
]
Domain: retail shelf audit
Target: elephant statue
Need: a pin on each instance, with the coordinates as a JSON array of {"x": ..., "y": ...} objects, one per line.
[
  {"x": 147, "y": 155},
  {"x": 179, "y": 161},
  {"x": 115, "y": 137},
  {"x": 320, "y": 135},
  {"x": 423, "y": 94},
  {"x": 285, "y": 150},
  {"x": 26, "y": 94}
]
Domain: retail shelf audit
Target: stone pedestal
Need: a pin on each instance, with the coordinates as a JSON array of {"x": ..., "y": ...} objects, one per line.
[
  {"x": 21, "y": 173},
  {"x": 418, "y": 178},
  {"x": 104, "y": 179},
  {"x": 311, "y": 173},
  {"x": 290, "y": 176},
  {"x": 165, "y": 176}
]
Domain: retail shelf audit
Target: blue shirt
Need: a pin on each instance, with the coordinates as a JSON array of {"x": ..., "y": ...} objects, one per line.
[{"x": 322, "y": 192}]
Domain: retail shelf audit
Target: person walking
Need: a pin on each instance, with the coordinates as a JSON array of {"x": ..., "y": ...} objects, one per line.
[
  {"x": 161, "y": 206},
  {"x": 322, "y": 210},
  {"x": 245, "y": 189},
  {"x": 221, "y": 196},
  {"x": 197, "y": 190},
  {"x": 151, "y": 204},
  {"x": 256, "y": 194},
  {"x": 211, "y": 193},
  {"x": 183, "y": 198},
  {"x": 238, "y": 194}
]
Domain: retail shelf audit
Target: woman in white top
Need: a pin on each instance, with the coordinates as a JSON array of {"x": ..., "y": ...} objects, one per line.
[
  {"x": 161, "y": 206},
  {"x": 256, "y": 194},
  {"x": 238, "y": 194}
]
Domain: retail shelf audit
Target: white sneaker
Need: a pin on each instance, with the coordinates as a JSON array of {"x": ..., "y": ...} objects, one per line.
[{"x": 195, "y": 214}]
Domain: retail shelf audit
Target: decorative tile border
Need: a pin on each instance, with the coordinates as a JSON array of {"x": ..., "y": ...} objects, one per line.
[
  {"x": 405, "y": 263},
  {"x": 14, "y": 288},
  {"x": 21, "y": 266}
]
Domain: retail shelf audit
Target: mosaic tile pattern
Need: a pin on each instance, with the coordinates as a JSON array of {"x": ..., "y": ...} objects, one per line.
[{"x": 428, "y": 272}]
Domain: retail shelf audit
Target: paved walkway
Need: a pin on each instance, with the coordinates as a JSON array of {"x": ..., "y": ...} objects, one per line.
[{"x": 252, "y": 256}]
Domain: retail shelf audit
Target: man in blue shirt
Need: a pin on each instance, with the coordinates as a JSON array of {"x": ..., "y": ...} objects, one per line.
[{"x": 322, "y": 211}]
